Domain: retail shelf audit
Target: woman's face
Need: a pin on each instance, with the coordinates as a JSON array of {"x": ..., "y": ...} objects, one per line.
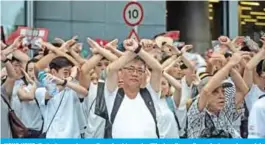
[
  {"x": 30, "y": 71},
  {"x": 164, "y": 87}
]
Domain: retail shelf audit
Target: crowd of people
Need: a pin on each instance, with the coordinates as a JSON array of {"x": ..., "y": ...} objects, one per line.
[{"x": 154, "y": 88}]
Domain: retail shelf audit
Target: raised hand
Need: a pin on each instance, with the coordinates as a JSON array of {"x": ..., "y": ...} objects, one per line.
[
  {"x": 237, "y": 57},
  {"x": 74, "y": 71},
  {"x": 94, "y": 45},
  {"x": 28, "y": 78},
  {"x": 17, "y": 42},
  {"x": 147, "y": 44},
  {"x": 186, "y": 48},
  {"x": 224, "y": 40},
  {"x": 130, "y": 44},
  {"x": 111, "y": 45}
]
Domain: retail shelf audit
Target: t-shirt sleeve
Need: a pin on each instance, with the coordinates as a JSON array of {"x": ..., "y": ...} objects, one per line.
[
  {"x": 256, "y": 127},
  {"x": 40, "y": 95},
  {"x": 251, "y": 97}
]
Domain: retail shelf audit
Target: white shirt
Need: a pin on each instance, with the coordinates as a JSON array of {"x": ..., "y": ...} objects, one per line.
[
  {"x": 256, "y": 123},
  {"x": 168, "y": 127},
  {"x": 181, "y": 111},
  {"x": 65, "y": 123},
  {"x": 253, "y": 96},
  {"x": 30, "y": 113},
  {"x": 95, "y": 124},
  {"x": 133, "y": 119},
  {"x": 15, "y": 101}
]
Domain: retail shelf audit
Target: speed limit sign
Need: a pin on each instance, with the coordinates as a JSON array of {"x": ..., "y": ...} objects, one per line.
[{"x": 133, "y": 13}]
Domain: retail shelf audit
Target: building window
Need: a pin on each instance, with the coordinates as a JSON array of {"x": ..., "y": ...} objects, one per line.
[{"x": 252, "y": 19}]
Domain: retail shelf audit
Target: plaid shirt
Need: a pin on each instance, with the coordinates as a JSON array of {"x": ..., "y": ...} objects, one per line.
[{"x": 224, "y": 121}]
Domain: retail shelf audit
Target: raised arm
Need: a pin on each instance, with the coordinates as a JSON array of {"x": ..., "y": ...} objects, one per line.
[
  {"x": 217, "y": 79},
  {"x": 27, "y": 95},
  {"x": 104, "y": 52},
  {"x": 74, "y": 86},
  {"x": 176, "y": 85},
  {"x": 241, "y": 85},
  {"x": 114, "y": 67},
  {"x": 11, "y": 75},
  {"x": 156, "y": 72},
  {"x": 248, "y": 73},
  {"x": 113, "y": 48}
]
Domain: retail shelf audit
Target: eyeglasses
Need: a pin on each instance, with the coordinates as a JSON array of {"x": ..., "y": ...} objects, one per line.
[{"x": 132, "y": 70}]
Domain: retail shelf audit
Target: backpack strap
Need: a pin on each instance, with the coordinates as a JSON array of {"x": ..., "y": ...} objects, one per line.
[
  {"x": 6, "y": 101},
  {"x": 109, "y": 121},
  {"x": 150, "y": 105},
  {"x": 262, "y": 96},
  {"x": 117, "y": 104},
  {"x": 100, "y": 107}
]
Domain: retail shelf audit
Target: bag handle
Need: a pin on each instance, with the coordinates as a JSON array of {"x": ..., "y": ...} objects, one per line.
[
  {"x": 55, "y": 112},
  {"x": 5, "y": 100}
]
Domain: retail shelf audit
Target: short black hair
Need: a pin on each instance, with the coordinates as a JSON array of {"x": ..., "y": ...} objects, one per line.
[
  {"x": 260, "y": 67},
  {"x": 14, "y": 59},
  {"x": 60, "y": 62}
]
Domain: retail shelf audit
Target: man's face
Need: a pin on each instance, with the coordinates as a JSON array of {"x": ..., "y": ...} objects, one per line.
[
  {"x": 262, "y": 78},
  {"x": 217, "y": 100},
  {"x": 132, "y": 74},
  {"x": 63, "y": 72},
  {"x": 17, "y": 67},
  {"x": 102, "y": 65}
]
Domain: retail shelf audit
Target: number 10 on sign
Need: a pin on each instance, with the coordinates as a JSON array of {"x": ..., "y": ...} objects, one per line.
[{"x": 133, "y": 13}]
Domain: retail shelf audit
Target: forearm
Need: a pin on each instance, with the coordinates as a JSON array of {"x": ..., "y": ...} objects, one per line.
[
  {"x": 77, "y": 88},
  {"x": 44, "y": 62},
  {"x": 150, "y": 61},
  {"x": 24, "y": 58},
  {"x": 172, "y": 81},
  {"x": 108, "y": 55},
  {"x": 10, "y": 70},
  {"x": 26, "y": 95},
  {"x": 232, "y": 47},
  {"x": 77, "y": 57},
  {"x": 116, "y": 52},
  {"x": 8, "y": 50},
  {"x": 187, "y": 63},
  {"x": 210, "y": 69},
  {"x": 60, "y": 53},
  {"x": 217, "y": 79},
  {"x": 169, "y": 61},
  {"x": 122, "y": 61},
  {"x": 255, "y": 60},
  {"x": 91, "y": 63},
  {"x": 239, "y": 81}
]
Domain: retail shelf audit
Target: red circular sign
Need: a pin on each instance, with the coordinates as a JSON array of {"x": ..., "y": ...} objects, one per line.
[{"x": 133, "y": 13}]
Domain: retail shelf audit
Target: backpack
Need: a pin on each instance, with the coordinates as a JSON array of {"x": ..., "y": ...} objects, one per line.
[
  {"x": 101, "y": 109},
  {"x": 18, "y": 129}
]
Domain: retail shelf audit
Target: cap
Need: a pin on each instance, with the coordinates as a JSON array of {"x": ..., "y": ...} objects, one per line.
[
  {"x": 101, "y": 42},
  {"x": 162, "y": 40}
]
